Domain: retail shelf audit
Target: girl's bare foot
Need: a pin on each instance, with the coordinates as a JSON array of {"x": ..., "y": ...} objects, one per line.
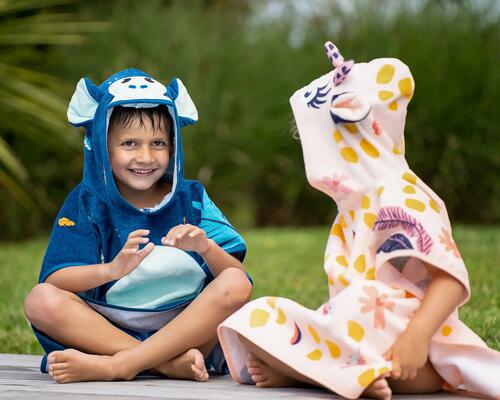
[
  {"x": 189, "y": 365},
  {"x": 265, "y": 376},
  {"x": 379, "y": 389},
  {"x": 74, "y": 366}
]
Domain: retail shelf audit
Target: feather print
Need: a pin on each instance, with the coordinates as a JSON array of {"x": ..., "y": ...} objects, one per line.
[{"x": 396, "y": 217}]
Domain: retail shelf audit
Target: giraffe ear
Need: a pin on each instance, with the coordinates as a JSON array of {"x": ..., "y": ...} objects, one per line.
[
  {"x": 186, "y": 110},
  {"x": 83, "y": 103},
  {"x": 348, "y": 107}
]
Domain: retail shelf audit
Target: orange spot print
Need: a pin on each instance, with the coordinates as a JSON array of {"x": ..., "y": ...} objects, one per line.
[
  {"x": 313, "y": 333},
  {"x": 360, "y": 264},
  {"x": 409, "y": 178},
  {"x": 415, "y": 204},
  {"x": 271, "y": 301},
  {"x": 315, "y": 355},
  {"x": 342, "y": 222},
  {"x": 369, "y": 148},
  {"x": 337, "y": 231},
  {"x": 385, "y": 95},
  {"x": 369, "y": 219},
  {"x": 366, "y": 378},
  {"x": 351, "y": 213},
  {"x": 380, "y": 190},
  {"x": 331, "y": 282},
  {"x": 365, "y": 202},
  {"x": 383, "y": 370},
  {"x": 342, "y": 261},
  {"x": 351, "y": 128},
  {"x": 349, "y": 154},
  {"x": 409, "y": 295},
  {"x": 65, "y": 222},
  {"x": 395, "y": 150},
  {"x": 281, "y": 317},
  {"x": 333, "y": 348},
  {"x": 355, "y": 331},
  {"x": 393, "y": 106},
  {"x": 385, "y": 73},
  {"x": 258, "y": 317},
  {"x": 434, "y": 205},
  {"x": 446, "y": 330},
  {"x": 343, "y": 280},
  {"x": 337, "y": 136},
  {"x": 370, "y": 274},
  {"x": 409, "y": 189},
  {"x": 405, "y": 88}
]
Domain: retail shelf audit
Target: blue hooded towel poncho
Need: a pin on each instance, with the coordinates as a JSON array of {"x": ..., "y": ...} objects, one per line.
[{"x": 95, "y": 220}]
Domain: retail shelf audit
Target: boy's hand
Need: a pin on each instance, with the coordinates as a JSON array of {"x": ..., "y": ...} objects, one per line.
[
  {"x": 409, "y": 353},
  {"x": 187, "y": 237},
  {"x": 130, "y": 256}
]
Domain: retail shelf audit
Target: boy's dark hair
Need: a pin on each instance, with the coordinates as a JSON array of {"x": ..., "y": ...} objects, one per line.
[{"x": 159, "y": 117}]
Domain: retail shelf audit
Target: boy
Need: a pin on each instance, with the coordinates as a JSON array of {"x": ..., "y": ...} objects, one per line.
[{"x": 99, "y": 292}]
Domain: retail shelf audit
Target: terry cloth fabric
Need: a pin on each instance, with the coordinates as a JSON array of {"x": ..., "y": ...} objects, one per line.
[
  {"x": 351, "y": 134},
  {"x": 95, "y": 220}
]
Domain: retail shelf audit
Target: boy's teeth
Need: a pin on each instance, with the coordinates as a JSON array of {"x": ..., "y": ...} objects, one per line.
[{"x": 142, "y": 171}]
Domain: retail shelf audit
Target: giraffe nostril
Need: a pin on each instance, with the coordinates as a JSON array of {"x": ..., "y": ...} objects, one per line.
[
  {"x": 144, "y": 86},
  {"x": 132, "y": 86}
]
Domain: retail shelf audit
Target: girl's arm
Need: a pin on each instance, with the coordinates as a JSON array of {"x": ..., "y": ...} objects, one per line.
[
  {"x": 410, "y": 351},
  {"x": 85, "y": 277}
]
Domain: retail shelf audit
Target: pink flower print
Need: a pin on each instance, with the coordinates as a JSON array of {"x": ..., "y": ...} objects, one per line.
[
  {"x": 449, "y": 245},
  {"x": 376, "y": 303},
  {"x": 354, "y": 359},
  {"x": 326, "y": 309},
  {"x": 335, "y": 183},
  {"x": 376, "y": 128}
]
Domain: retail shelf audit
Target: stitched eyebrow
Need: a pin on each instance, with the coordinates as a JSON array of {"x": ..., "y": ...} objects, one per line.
[
  {"x": 149, "y": 80},
  {"x": 126, "y": 80}
]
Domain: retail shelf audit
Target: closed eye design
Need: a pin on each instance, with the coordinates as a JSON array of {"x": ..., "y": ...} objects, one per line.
[
  {"x": 126, "y": 80},
  {"x": 319, "y": 97}
]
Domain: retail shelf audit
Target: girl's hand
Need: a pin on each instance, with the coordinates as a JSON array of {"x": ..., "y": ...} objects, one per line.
[
  {"x": 130, "y": 256},
  {"x": 409, "y": 353},
  {"x": 187, "y": 237}
]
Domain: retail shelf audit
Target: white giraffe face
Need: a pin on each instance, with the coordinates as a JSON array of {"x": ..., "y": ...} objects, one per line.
[{"x": 137, "y": 87}]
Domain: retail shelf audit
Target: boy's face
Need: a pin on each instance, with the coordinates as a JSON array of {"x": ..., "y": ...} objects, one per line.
[{"x": 139, "y": 157}]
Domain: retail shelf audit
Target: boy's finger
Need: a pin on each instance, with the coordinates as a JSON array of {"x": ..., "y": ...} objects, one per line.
[
  {"x": 138, "y": 232},
  {"x": 396, "y": 370},
  {"x": 388, "y": 355},
  {"x": 412, "y": 373},
  {"x": 146, "y": 251},
  {"x": 195, "y": 232},
  {"x": 135, "y": 242}
]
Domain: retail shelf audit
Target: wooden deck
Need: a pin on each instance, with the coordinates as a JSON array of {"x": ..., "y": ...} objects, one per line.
[{"x": 20, "y": 378}]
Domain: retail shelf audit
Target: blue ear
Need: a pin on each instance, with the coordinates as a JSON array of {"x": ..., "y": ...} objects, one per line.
[
  {"x": 186, "y": 110},
  {"x": 83, "y": 103}
]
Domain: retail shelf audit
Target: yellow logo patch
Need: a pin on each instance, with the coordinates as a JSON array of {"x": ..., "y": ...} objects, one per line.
[{"x": 65, "y": 222}]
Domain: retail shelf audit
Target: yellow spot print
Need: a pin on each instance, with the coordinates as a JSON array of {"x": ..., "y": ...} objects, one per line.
[
  {"x": 385, "y": 95},
  {"x": 395, "y": 150},
  {"x": 405, "y": 88},
  {"x": 355, "y": 331},
  {"x": 383, "y": 370},
  {"x": 315, "y": 355},
  {"x": 258, "y": 317},
  {"x": 337, "y": 136},
  {"x": 314, "y": 334},
  {"x": 393, "y": 106},
  {"x": 343, "y": 280},
  {"x": 351, "y": 128},
  {"x": 349, "y": 154},
  {"x": 409, "y": 189},
  {"x": 331, "y": 282},
  {"x": 370, "y": 274},
  {"x": 415, "y": 204},
  {"x": 380, "y": 190},
  {"x": 337, "y": 231},
  {"x": 351, "y": 213},
  {"x": 65, "y": 222},
  {"x": 370, "y": 219},
  {"x": 385, "y": 73},
  {"x": 410, "y": 178},
  {"x": 369, "y": 148},
  {"x": 366, "y": 377},
  {"x": 446, "y": 330},
  {"x": 342, "y": 261},
  {"x": 342, "y": 222},
  {"x": 271, "y": 301},
  {"x": 360, "y": 264},
  {"x": 281, "y": 317},
  {"x": 365, "y": 202},
  {"x": 434, "y": 205},
  {"x": 333, "y": 348}
]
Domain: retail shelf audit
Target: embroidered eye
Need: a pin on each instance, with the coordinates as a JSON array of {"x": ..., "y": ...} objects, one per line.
[
  {"x": 126, "y": 80},
  {"x": 149, "y": 80},
  {"x": 319, "y": 97}
]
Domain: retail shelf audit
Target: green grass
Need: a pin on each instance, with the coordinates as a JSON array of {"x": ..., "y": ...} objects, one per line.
[{"x": 283, "y": 262}]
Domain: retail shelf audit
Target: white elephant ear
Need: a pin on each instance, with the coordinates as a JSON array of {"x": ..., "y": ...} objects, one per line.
[
  {"x": 186, "y": 110},
  {"x": 83, "y": 105}
]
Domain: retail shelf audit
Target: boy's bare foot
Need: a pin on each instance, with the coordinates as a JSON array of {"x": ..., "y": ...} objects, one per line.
[
  {"x": 74, "y": 366},
  {"x": 379, "y": 389},
  {"x": 265, "y": 376},
  {"x": 189, "y": 365}
]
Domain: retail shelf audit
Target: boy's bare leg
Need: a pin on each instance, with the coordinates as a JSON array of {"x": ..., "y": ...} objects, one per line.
[
  {"x": 52, "y": 311},
  {"x": 193, "y": 328},
  {"x": 426, "y": 381}
]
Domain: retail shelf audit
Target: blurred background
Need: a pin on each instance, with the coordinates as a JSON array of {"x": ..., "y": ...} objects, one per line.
[{"x": 241, "y": 61}]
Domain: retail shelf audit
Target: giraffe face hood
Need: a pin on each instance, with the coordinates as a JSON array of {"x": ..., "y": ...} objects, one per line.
[
  {"x": 91, "y": 107},
  {"x": 347, "y": 118}
]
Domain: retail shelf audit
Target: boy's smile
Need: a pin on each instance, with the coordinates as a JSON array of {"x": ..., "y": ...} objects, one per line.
[{"x": 139, "y": 156}]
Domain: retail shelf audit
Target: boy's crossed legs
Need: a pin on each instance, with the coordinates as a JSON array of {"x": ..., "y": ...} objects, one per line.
[{"x": 177, "y": 350}]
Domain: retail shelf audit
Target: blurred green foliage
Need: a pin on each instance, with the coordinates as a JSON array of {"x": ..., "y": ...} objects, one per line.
[{"x": 241, "y": 61}]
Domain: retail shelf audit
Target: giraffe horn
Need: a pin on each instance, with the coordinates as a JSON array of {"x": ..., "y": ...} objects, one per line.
[{"x": 333, "y": 54}]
